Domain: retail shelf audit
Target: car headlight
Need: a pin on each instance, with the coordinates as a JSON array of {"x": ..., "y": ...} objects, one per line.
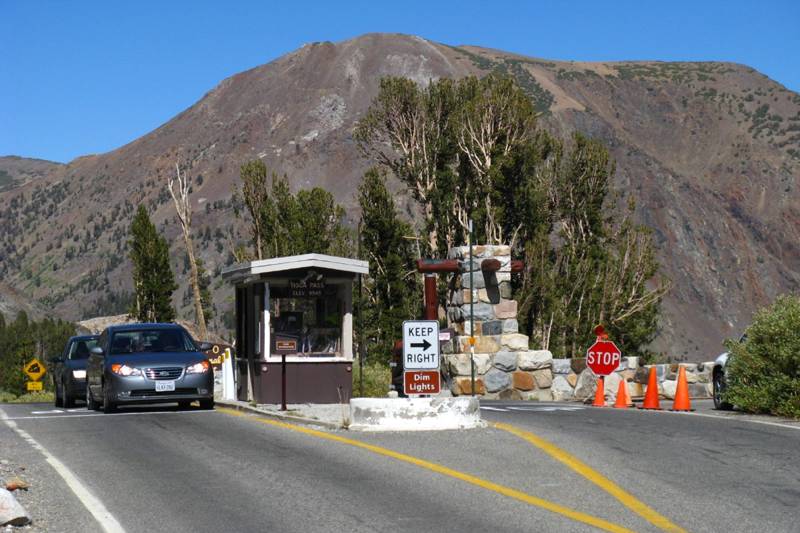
[
  {"x": 125, "y": 370},
  {"x": 79, "y": 374},
  {"x": 198, "y": 368}
]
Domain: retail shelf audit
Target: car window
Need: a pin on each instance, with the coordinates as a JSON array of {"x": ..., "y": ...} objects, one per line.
[
  {"x": 151, "y": 340},
  {"x": 80, "y": 348}
]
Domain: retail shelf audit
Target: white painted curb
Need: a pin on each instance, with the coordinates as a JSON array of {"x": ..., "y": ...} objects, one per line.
[{"x": 414, "y": 414}]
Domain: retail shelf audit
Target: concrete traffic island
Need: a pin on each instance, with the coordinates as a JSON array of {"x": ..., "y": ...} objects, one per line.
[{"x": 414, "y": 414}]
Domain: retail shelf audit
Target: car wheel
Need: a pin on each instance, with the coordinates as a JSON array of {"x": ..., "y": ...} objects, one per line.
[
  {"x": 207, "y": 404},
  {"x": 108, "y": 405},
  {"x": 67, "y": 400},
  {"x": 90, "y": 403},
  {"x": 57, "y": 401},
  {"x": 719, "y": 389}
]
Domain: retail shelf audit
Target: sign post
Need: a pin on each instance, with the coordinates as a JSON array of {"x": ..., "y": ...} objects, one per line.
[{"x": 421, "y": 357}]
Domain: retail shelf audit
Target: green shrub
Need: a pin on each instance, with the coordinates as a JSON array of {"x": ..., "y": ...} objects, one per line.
[
  {"x": 765, "y": 369},
  {"x": 7, "y": 397},
  {"x": 34, "y": 397},
  {"x": 377, "y": 378}
]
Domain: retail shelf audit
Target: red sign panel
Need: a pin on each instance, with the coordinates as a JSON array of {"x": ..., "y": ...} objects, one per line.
[
  {"x": 421, "y": 382},
  {"x": 603, "y": 357}
]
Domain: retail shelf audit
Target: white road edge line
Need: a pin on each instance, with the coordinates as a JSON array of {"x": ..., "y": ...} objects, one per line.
[
  {"x": 92, "y": 504},
  {"x": 731, "y": 418},
  {"x": 103, "y": 415},
  {"x": 487, "y": 408}
]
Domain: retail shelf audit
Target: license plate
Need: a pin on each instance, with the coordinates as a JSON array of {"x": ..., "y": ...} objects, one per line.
[{"x": 165, "y": 386}]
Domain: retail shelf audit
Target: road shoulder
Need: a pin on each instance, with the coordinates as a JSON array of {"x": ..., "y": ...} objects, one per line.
[{"x": 49, "y": 501}]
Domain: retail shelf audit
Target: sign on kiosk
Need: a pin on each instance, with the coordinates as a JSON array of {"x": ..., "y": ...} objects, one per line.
[{"x": 421, "y": 357}]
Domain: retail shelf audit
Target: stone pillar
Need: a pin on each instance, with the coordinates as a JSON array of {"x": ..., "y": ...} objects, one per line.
[{"x": 505, "y": 367}]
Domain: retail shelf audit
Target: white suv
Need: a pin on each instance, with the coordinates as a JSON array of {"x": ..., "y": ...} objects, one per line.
[{"x": 720, "y": 378}]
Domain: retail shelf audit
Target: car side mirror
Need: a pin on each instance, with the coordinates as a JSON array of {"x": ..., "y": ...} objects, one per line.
[
  {"x": 96, "y": 350},
  {"x": 204, "y": 346}
]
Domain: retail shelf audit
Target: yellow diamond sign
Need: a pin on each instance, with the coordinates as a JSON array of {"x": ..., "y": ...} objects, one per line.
[{"x": 34, "y": 370}]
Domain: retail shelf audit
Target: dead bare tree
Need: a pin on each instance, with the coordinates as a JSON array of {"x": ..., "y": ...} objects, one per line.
[{"x": 183, "y": 207}]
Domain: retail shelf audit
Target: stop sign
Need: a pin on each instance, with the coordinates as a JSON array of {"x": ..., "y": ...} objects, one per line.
[{"x": 603, "y": 357}]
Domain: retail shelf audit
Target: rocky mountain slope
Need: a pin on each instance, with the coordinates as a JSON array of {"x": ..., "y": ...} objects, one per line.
[{"x": 711, "y": 152}]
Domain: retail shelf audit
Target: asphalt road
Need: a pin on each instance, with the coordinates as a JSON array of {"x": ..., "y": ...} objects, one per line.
[{"x": 159, "y": 469}]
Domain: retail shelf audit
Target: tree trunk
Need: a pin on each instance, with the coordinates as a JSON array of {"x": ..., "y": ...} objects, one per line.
[
  {"x": 198, "y": 303},
  {"x": 184, "y": 210}
]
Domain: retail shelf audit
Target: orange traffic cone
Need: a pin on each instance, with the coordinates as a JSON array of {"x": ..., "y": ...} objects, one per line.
[
  {"x": 623, "y": 400},
  {"x": 651, "y": 396},
  {"x": 682, "y": 402},
  {"x": 600, "y": 394}
]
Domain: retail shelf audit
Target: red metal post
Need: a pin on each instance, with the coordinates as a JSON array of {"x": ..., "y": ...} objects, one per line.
[{"x": 431, "y": 303}]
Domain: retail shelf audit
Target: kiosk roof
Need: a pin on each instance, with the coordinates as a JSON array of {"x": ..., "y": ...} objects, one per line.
[{"x": 295, "y": 262}]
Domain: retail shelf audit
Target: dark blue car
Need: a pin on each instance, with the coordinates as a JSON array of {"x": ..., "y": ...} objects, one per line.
[{"x": 69, "y": 370}]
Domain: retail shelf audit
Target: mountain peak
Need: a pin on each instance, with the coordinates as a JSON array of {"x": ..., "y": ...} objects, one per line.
[{"x": 710, "y": 151}]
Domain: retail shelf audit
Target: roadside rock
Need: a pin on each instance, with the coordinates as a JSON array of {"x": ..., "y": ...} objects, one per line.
[
  {"x": 586, "y": 385},
  {"x": 561, "y": 388},
  {"x": 578, "y": 364},
  {"x": 460, "y": 363},
  {"x": 668, "y": 388},
  {"x": 543, "y": 378},
  {"x": 562, "y": 366},
  {"x": 535, "y": 359},
  {"x": 11, "y": 512},
  {"x": 572, "y": 379},
  {"x": 496, "y": 380},
  {"x": 506, "y": 361},
  {"x": 523, "y": 380}
]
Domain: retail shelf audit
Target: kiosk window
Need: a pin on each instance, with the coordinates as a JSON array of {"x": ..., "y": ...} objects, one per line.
[{"x": 305, "y": 325}]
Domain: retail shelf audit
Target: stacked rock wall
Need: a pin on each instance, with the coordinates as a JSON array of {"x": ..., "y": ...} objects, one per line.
[
  {"x": 572, "y": 380},
  {"x": 505, "y": 367}
]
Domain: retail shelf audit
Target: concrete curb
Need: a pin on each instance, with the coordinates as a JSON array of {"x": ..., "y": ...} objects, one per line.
[
  {"x": 241, "y": 406},
  {"x": 415, "y": 414}
]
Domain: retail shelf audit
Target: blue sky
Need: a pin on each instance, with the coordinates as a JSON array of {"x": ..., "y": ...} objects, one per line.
[{"x": 83, "y": 77}]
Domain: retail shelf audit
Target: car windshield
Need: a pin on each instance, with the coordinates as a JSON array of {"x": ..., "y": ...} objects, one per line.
[
  {"x": 151, "y": 340},
  {"x": 80, "y": 348}
]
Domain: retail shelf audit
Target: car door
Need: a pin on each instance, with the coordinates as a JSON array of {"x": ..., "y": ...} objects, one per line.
[
  {"x": 58, "y": 367},
  {"x": 94, "y": 366}
]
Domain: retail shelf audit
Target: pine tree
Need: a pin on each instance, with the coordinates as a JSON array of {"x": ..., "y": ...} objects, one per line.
[
  {"x": 283, "y": 223},
  {"x": 153, "y": 280},
  {"x": 471, "y": 149},
  {"x": 392, "y": 294}
]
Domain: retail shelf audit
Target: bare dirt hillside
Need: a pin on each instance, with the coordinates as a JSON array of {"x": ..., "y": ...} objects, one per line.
[{"x": 711, "y": 152}]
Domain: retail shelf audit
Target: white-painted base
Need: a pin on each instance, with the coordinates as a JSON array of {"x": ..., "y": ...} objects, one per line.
[{"x": 414, "y": 414}]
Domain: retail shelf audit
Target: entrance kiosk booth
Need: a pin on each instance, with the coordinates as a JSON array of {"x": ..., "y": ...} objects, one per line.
[{"x": 301, "y": 307}]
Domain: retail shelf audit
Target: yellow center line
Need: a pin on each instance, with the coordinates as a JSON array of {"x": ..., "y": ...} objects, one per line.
[
  {"x": 627, "y": 499},
  {"x": 439, "y": 469}
]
